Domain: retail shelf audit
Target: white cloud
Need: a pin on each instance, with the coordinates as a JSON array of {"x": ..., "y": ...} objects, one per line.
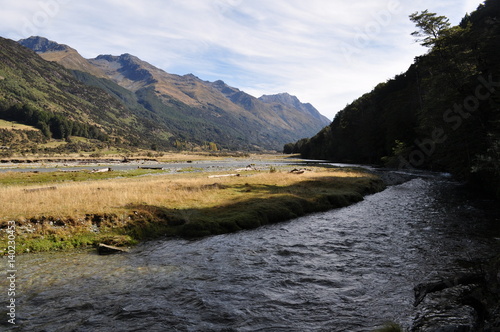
[{"x": 325, "y": 52}]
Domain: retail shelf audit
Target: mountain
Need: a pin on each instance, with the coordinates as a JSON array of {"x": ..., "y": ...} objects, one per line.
[
  {"x": 193, "y": 110},
  {"x": 47, "y": 97},
  {"x": 286, "y": 99},
  {"x": 442, "y": 114}
]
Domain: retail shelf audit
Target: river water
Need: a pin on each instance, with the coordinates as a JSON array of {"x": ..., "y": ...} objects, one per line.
[{"x": 350, "y": 269}]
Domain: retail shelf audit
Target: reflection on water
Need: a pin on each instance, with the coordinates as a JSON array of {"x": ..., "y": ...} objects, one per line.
[{"x": 345, "y": 270}]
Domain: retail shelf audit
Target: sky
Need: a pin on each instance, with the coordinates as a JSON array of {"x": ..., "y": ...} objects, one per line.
[{"x": 325, "y": 52}]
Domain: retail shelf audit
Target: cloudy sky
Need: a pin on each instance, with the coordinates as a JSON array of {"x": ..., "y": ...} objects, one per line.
[{"x": 326, "y": 52}]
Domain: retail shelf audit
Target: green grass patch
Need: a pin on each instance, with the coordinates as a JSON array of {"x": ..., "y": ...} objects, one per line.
[
  {"x": 31, "y": 178},
  {"x": 189, "y": 170}
]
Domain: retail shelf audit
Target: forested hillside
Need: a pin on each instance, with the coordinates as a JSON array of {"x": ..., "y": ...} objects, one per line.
[
  {"x": 442, "y": 114},
  {"x": 47, "y": 97}
]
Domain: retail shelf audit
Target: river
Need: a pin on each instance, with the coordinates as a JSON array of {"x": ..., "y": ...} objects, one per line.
[{"x": 350, "y": 269}]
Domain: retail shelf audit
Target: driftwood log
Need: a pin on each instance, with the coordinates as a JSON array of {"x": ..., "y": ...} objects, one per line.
[
  {"x": 105, "y": 249},
  {"x": 102, "y": 170},
  {"x": 39, "y": 189},
  {"x": 222, "y": 176}
]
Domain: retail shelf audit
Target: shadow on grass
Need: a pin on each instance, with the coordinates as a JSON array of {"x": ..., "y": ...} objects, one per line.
[{"x": 266, "y": 204}]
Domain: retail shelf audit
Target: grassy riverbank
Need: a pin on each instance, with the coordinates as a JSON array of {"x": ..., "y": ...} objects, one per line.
[{"x": 72, "y": 210}]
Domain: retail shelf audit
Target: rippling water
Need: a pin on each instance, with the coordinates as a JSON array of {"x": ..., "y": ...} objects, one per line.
[{"x": 345, "y": 270}]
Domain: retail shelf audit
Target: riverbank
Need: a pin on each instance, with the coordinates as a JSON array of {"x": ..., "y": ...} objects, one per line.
[
  {"x": 62, "y": 211},
  {"x": 98, "y": 158}
]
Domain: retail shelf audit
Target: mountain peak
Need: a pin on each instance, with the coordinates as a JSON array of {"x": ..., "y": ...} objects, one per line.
[
  {"x": 43, "y": 45},
  {"x": 287, "y": 99},
  {"x": 126, "y": 57},
  {"x": 283, "y": 98},
  {"x": 126, "y": 70}
]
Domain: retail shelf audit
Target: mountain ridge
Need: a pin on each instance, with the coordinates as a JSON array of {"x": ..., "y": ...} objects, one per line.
[{"x": 260, "y": 122}]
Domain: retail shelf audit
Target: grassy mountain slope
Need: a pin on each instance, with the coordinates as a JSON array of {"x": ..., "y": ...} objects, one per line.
[{"x": 442, "y": 114}]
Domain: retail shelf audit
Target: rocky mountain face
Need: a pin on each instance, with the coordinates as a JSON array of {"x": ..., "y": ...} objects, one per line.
[
  {"x": 191, "y": 109},
  {"x": 43, "y": 45},
  {"x": 292, "y": 101}
]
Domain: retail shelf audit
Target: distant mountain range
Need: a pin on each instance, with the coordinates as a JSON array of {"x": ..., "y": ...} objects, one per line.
[{"x": 130, "y": 101}]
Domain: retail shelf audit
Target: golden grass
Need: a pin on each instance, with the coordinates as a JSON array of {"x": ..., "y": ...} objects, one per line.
[
  {"x": 181, "y": 191},
  {"x": 12, "y": 125}
]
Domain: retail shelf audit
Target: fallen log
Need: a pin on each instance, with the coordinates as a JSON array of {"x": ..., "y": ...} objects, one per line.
[
  {"x": 299, "y": 171},
  {"x": 102, "y": 170},
  {"x": 151, "y": 167},
  {"x": 222, "y": 176},
  {"x": 250, "y": 167},
  {"x": 39, "y": 189},
  {"x": 105, "y": 249}
]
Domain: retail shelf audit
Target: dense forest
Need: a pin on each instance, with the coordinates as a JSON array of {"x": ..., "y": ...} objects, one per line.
[{"x": 441, "y": 114}]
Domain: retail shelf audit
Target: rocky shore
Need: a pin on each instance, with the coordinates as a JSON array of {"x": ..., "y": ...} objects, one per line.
[{"x": 468, "y": 302}]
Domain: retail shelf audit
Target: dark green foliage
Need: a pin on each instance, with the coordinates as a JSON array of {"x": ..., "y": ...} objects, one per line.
[
  {"x": 443, "y": 113},
  {"x": 431, "y": 26},
  {"x": 50, "y": 124}
]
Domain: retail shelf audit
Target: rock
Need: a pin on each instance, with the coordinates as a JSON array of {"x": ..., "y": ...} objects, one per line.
[
  {"x": 462, "y": 303},
  {"x": 421, "y": 290},
  {"x": 443, "y": 311}
]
